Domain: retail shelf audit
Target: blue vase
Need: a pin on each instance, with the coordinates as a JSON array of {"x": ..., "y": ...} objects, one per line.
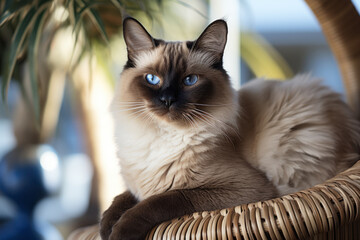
[{"x": 27, "y": 175}]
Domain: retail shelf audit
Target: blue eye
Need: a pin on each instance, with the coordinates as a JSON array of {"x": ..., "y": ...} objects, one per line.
[
  {"x": 152, "y": 79},
  {"x": 190, "y": 80}
]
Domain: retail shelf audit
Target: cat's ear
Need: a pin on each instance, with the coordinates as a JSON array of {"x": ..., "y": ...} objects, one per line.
[
  {"x": 213, "y": 39},
  {"x": 136, "y": 37}
]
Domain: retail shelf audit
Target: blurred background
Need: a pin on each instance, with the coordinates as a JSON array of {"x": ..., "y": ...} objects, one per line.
[{"x": 60, "y": 61}]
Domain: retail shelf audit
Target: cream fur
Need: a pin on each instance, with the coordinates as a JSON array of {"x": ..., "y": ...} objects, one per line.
[
  {"x": 303, "y": 133},
  {"x": 156, "y": 157}
]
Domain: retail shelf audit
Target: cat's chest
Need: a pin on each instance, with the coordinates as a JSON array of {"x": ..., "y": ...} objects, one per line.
[{"x": 155, "y": 160}]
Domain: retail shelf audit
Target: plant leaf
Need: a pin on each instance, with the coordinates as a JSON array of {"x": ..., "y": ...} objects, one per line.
[
  {"x": 89, "y": 5},
  {"x": 33, "y": 49},
  {"x": 118, "y": 4},
  {"x": 5, "y": 17},
  {"x": 83, "y": 52},
  {"x": 83, "y": 10},
  {"x": 69, "y": 5},
  {"x": 74, "y": 17},
  {"x": 17, "y": 41},
  {"x": 73, "y": 5},
  {"x": 11, "y": 9},
  {"x": 185, "y": 4},
  {"x": 96, "y": 19}
]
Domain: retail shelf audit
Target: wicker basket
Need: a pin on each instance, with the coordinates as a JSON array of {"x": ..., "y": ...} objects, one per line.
[{"x": 327, "y": 211}]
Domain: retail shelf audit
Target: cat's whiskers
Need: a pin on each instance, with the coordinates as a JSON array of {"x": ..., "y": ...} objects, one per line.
[
  {"x": 234, "y": 130},
  {"x": 203, "y": 118},
  {"x": 187, "y": 120},
  {"x": 210, "y": 105},
  {"x": 207, "y": 117},
  {"x": 146, "y": 117},
  {"x": 128, "y": 102},
  {"x": 192, "y": 121},
  {"x": 137, "y": 113},
  {"x": 149, "y": 118},
  {"x": 228, "y": 126},
  {"x": 129, "y": 109},
  {"x": 120, "y": 106}
]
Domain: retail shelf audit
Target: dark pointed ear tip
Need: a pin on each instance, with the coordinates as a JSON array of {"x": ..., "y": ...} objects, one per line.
[
  {"x": 219, "y": 22},
  {"x": 127, "y": 19},
  {"x": 222, "y": 21}
]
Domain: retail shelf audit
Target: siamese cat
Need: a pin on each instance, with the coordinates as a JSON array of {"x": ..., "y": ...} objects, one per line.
[{"x": 188, "y": 142}]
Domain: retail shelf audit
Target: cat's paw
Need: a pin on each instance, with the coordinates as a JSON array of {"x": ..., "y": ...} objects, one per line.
[
  {"x": 110, "y": 217},
  {"x": 130, "y": 227},
  {"x": 119, "y": 206}
]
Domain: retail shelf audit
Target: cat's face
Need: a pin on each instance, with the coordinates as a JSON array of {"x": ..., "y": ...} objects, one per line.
[{"x": 182, "y": 83}]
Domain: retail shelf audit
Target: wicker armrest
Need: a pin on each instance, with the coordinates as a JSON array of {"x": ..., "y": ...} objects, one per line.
[
  {"x": 86, "y": 233},
  {"x": 327, "y": 210},
  {"x": 340, "y": 23},
  {"x": 331, "y": 208}
]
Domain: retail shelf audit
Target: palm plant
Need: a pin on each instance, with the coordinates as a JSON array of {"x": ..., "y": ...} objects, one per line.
[{"x": 27, "y": 28}]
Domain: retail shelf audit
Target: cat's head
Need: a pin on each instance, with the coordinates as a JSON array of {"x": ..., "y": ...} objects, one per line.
[{"x": 181, "y": 83}]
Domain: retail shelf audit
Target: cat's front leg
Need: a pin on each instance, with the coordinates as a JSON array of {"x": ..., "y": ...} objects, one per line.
[
  {"x": 119, "y": 206},
  {"x": 139, "y": 220}
]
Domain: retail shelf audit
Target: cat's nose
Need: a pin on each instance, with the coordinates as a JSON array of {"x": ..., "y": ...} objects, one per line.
[{"x": 167, "y": 99}]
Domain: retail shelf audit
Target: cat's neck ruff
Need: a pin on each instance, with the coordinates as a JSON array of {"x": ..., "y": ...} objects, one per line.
[{"x": 155, "y": 157}]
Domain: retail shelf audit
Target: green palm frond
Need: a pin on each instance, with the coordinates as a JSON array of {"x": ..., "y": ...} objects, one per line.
[
  {"x": 17, "y": 41},
  {"x": 10, "y": 9},
  {"x": 98, "y": 23},
  {"x": 33, "y": 50},
  {"x": 95, "y": 18}
]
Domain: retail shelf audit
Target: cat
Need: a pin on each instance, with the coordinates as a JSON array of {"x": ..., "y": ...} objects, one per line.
[{"x": 188, "y": 142}]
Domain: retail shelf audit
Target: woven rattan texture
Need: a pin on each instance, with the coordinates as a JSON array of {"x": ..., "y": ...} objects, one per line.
[{"x": 326, "y": 211}]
